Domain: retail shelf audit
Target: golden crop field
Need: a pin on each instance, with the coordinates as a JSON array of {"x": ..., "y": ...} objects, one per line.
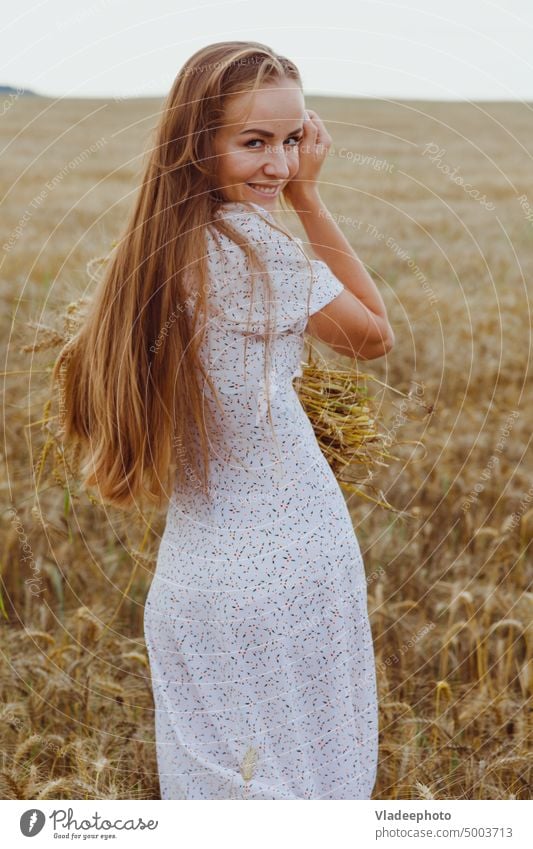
[{"x": 437, "y": 200}]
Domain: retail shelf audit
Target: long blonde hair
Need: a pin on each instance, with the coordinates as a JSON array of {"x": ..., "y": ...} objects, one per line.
[{"x": 131, "y": 391}]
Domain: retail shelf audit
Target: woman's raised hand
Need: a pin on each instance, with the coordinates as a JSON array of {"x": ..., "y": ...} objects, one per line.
[{"x": 313, "y": 150}]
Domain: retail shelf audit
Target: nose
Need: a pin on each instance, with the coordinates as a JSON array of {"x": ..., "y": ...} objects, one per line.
[{"x": 275, "y": 164}]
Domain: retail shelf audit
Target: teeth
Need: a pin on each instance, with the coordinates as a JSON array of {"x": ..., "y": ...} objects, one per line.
[{"x": 263, "y": 190}]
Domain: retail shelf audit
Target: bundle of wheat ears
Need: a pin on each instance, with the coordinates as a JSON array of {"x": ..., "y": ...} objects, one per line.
[
  {"x": 348, "y": 425},
  {"x": 346, "y": 420}
]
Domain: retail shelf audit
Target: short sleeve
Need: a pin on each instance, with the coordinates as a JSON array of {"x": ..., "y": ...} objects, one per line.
[
  {"x": 326, "y": 287},
  {"x": 299, "y": 286}
]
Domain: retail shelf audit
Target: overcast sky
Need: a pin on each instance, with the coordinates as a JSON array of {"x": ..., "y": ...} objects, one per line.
[{"x": 423, "y": 49}]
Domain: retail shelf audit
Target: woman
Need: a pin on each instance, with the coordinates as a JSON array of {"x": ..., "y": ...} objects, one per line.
[{"x": 256, "y": 621}]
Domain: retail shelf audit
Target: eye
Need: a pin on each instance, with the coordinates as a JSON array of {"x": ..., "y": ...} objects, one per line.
[{"x": 296, "y": 139}]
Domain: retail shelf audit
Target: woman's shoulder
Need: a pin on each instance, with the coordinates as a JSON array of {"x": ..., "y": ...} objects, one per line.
[
  {"x": 258, "y": 226},
  {"x": 297, "y": 286},
  {"x": 244, "y": 211}
]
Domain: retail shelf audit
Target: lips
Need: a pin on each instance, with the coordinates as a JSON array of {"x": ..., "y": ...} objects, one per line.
[{"x": 265, "y": 189}]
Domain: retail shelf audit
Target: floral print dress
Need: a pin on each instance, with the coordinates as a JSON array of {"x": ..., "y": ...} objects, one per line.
[{"x": 256, "y": 622}]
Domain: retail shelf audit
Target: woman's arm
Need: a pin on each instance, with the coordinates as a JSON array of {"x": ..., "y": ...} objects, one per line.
[
  {"x": 325, "y": 237},
  {"x": 331, "y": 245}
]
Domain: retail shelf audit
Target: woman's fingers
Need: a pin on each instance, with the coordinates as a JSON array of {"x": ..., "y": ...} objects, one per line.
[
  {"x": 310, "y": 125},
  {"x": 316, "y": 124}
]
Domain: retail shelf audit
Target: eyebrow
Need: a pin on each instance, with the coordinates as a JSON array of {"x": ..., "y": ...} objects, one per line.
[{"x": 268, "y": 134}]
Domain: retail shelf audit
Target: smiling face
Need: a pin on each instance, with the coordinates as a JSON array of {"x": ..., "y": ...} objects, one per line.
[{"x": 257, "y": 147}]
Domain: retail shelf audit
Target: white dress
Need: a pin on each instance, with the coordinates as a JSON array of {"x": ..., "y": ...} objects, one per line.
[{"x": 256, "y": 620}]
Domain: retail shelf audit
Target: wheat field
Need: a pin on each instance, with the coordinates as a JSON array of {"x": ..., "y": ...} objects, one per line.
[{"x": 437, "y": 200}]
